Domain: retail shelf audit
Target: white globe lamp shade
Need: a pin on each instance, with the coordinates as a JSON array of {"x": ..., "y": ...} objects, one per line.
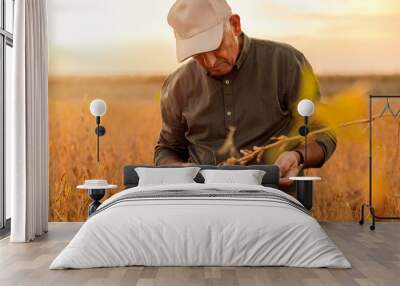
[
  {"x": 305, "y": 107},
  {"x": 98, "y": 107}
]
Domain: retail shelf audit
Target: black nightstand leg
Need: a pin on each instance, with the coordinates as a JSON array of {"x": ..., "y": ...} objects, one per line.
[
  {"x": 304, "y": 191},
  {"x": 96, "y": 195}
]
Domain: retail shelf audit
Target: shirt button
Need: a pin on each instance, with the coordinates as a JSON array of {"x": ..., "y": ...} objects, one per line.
[
  {"x": 229, "y": 113},
  {"x": 227, "y": 82}
]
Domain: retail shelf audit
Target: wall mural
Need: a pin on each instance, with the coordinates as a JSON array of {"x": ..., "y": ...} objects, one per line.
[{"x": 126, "y": 66}]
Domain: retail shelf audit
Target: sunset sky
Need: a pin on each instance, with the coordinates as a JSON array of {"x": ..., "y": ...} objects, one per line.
[{"x": 101, "y": 37}]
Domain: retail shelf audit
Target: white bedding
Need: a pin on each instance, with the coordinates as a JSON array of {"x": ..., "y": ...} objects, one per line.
[{"x": 200, "y": 231}]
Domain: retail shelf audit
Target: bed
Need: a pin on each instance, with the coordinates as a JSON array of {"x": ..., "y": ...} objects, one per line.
[{"x": 201, "y": 224}]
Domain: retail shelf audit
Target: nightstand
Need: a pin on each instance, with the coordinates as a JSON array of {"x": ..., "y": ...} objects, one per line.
[
  {"x": 96, "y": 190},
  {"x": 304, "y": 190}
]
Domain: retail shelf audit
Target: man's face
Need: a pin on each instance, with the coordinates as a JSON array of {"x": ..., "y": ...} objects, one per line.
[{"x": 222, "y": 60}]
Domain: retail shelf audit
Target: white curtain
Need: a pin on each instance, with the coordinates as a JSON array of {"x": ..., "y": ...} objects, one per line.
[{"x": 26, "y": 123}]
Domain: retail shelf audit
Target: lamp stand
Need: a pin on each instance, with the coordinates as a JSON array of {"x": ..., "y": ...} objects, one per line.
[
  {"x": 369, "y": 205},
  {"x": 305, "y": 185},
  {"x": 305, "y": 138},
  {"x": 303, "y": 131},
  {"x": 100, "y": 131}
]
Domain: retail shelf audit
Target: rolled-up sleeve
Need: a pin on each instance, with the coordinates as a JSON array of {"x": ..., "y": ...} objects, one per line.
[
  {"x": 300, "y": 70},
  {"x": 172, "y": 139},
  {"x": 327, "y": 140}
]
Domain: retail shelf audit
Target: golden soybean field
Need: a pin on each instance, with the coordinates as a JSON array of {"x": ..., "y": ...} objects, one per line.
[{"x": 132, "y": 127}]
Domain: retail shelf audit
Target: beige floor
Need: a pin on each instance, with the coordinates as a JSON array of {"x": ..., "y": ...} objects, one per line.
[{"x": 375, "y": 257}]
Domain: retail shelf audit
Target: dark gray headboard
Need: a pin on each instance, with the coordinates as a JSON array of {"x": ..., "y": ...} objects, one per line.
[{"x": 270, "y": 179}]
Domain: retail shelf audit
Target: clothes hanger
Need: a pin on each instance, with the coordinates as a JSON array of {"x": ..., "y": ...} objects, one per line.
[
  {"x": 388, "y": 107},
  {"x": 385, "y": 108}
]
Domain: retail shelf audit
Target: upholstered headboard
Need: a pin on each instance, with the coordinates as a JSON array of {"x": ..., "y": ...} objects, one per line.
[{"x": 270, "y": 179}]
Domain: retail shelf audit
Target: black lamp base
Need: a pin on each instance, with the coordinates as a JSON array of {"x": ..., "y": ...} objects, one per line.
[
  {"x": 304, "y": 191},
  {"x": 96, "y": 195}
]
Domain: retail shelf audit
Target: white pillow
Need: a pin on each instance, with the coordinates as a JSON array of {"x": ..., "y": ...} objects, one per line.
[
  {"x": 249, "y": 177},
  {"x": 162, "y": 176}
]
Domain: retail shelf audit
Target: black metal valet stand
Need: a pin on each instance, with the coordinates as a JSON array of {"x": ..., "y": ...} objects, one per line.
[
  {"x": 97, "y": 194},
  {"x": 370, "y": 206}
]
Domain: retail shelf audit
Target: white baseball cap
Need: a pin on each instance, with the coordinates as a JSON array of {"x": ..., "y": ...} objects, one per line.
[{"x": 198, "y": 25}]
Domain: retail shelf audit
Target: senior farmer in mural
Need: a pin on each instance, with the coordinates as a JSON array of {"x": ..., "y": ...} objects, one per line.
[{"x": 230, "y": 80}]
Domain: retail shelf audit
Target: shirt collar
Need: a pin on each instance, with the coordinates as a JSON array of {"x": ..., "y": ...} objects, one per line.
[{"x": 245, "y": 50}]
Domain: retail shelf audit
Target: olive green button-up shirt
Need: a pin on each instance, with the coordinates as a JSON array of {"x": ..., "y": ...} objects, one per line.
[{"x": 258, "y": 97}]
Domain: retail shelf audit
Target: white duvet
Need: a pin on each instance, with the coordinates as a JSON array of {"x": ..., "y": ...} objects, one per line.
[{"x": 200, "y": 231}]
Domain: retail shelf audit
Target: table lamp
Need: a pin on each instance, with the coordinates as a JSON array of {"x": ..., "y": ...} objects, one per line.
[
  {"x": 305, "y": 109},
  {"x": 98, "y": 108},
  {"x": 304, "y": 184}
]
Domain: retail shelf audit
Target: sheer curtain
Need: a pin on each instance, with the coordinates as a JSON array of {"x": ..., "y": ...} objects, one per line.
[{"x": 26, "y": 123}]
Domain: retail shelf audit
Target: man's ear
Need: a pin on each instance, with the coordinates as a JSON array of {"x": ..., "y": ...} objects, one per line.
[{"x": 235, "y": 24}]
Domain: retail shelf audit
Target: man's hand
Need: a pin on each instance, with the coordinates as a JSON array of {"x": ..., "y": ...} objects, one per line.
[{"x": 289, "y": 166}]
